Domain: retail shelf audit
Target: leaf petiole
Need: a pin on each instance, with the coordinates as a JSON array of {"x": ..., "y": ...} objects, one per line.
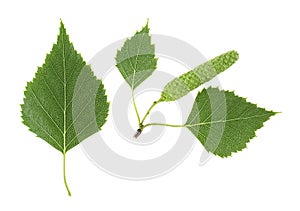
[
  {"x": 135, "y": 108},
  {"x": 162, "y": 124},
  {"x": 142, "y": 126},
  {"x": 64, "y": 172}
]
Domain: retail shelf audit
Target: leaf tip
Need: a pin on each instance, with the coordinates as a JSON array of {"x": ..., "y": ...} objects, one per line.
[
  {"x": 61, "y": 22},
  {"x": 145, "y": 29},
  {"x": 62, "y": 28},
  {"x": 276, "y": 112}
]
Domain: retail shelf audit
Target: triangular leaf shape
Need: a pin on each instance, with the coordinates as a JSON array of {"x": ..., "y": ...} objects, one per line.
[
  {"x": 223, "y": 122},
  {"x": 136, "y": 60},
  {"x": 65, "y": 103}
]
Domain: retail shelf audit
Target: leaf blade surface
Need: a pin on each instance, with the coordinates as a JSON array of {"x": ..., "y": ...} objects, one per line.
[{"x": 223, "y": 122}]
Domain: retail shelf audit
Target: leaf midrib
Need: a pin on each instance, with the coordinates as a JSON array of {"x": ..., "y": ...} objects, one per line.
[
  {"x": 65, "y": 94},
  {"x": 137, "y": 55},
  {"x": 224, "y": 121}
]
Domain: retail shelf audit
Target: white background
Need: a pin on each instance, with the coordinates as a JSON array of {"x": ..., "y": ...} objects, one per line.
[{"x": 265, "y": 176}]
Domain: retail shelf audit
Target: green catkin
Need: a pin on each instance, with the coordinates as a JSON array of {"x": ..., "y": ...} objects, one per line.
[{"x": 189, "y": 81}]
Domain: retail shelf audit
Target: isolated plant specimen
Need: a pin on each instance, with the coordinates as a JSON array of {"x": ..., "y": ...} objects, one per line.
[
  {"x": 221, "y": 121},
  {"x": 65, "y": 103}
]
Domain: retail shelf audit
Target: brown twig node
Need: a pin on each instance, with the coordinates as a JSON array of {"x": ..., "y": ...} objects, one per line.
[{"x": 138, "y": 133}]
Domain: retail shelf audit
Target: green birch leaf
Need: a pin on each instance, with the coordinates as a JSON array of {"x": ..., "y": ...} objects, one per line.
[
  {"x": 64, "y": 103},
  {"x": 223, "y": 122},
  {"x": 136, "y": 60},
  {"x": 189, "y": 81}
]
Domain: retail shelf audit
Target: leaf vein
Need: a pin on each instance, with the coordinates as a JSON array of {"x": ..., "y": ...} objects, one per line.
[{"x": 43, "y": 108}]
